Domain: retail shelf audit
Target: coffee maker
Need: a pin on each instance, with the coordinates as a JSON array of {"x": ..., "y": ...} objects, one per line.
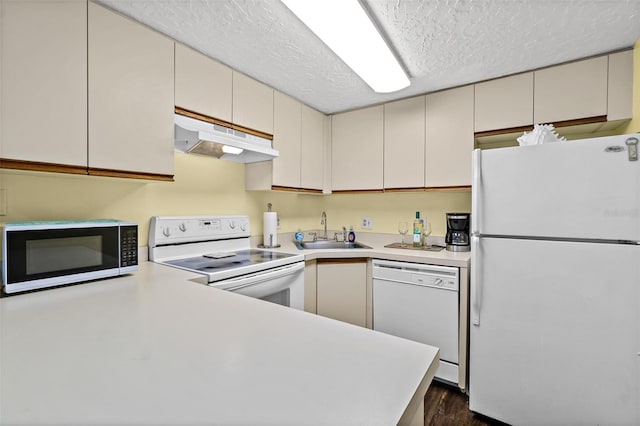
[{"x": 457, "y": 238}]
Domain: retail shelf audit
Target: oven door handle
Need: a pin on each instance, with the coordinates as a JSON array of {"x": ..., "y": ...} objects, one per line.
[{"x": 235, "y": 284}]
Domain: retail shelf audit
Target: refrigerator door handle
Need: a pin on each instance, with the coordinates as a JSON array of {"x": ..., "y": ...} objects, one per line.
[
  {"x": 475, "y": 280},
  {"x": 475, "y": 190}
]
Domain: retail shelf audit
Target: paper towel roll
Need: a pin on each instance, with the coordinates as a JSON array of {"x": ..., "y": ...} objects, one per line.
[{"x": 270, "y": 227}]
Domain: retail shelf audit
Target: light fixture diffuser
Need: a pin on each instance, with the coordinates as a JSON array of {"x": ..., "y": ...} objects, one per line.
[{"x": 345, "y": 28}]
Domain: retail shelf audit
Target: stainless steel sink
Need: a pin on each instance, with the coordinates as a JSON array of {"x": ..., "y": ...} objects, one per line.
[{"x": 330, "y": 244}]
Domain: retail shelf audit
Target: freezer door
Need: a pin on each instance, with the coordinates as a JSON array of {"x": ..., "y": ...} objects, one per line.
[
  {"x": 579, "y": 189},
  {"x": 558, "y": 334}
]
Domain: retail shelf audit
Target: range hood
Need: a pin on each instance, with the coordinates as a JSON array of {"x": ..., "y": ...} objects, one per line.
[{"x": 200, "y": 137}]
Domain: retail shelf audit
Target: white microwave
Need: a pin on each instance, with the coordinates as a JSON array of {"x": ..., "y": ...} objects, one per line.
[{"x": 38, "y": 255}]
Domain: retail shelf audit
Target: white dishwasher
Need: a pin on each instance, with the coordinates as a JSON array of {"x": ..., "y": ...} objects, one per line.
[{"x": 419, "y": 302}]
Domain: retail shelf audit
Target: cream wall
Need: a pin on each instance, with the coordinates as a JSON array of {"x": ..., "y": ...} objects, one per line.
[{"x": 209, "y": 186}]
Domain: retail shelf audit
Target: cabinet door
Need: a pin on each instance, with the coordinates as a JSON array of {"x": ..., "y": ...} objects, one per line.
[
  {"x": 357, "y": 149},
  {"x": 44, "y": 82},
  {"x": 342, "y": 290},
  {"x": 312, "y": 149},
  {"x": 449, "y": 138},
  {"x": 286, "y": 139},
  {"x": 130, "y": 95},
  {"x": 404, "y": 140},
  {"x": 504, "y": 103},
  {"x": 202, "y": 84},
  {"x": 571, "y": 91},
  {"x": 620, "y": 87},
  {"x": 252, "y": 104}
]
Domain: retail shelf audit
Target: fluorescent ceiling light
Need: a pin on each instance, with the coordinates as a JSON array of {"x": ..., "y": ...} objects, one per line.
[{"x": 344, "y": 26}]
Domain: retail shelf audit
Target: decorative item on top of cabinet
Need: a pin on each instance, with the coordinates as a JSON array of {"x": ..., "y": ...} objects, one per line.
[
  {"x": 404, "y": 143},
  {"x": 131, "y": 100},
  {"x": 44, "y": 84},
  {"x": 449, "y": 118},
  {"x": 202, "y": 84},
  {"x": 357, "y": 150}
]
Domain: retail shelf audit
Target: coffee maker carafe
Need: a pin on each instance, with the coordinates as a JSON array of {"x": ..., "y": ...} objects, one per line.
[{"x": 457, "y": 238}]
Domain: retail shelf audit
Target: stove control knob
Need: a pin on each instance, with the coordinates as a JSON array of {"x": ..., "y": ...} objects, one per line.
[
  {"x": 182, "y": 227},
  {"x": 232, "y": 225},
  {"x": 166, "y": 232},
  {"x": 243, "y": 227},
  {"x": 439, "y": 282}
]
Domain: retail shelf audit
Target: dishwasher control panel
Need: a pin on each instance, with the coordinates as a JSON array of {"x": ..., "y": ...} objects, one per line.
[
  {"x": 444, "y": 277},
  {"x": 434, "y": 281}
]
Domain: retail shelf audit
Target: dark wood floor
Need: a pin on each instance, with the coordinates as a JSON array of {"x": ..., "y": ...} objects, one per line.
[{"x": 447, "y": 405}]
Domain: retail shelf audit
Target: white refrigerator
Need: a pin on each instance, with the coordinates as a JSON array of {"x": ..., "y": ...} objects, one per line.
[{"x": 555, "y": 283}]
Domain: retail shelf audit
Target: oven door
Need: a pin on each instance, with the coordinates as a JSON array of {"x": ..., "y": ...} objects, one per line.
[{"x": 283, "y": 285}]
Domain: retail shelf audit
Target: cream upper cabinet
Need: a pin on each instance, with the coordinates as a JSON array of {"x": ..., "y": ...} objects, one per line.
[
  {"x": 44, "y": 82},
  {"x": 404, "y": 143},
  {"x": 341, "y": 291},
  {"x": 252, "y": 104},
  {"x": 287, "y": 121},
  {"x": 449, "y": 138},
  {"x": 357, "y": 149},
  {"x": 312, "y": 149},
  {"x": 299, "y": 138},
  {"x": 203, "y": 85},
  {"x": 620, "y": 93},
  {"x": 504, "y": 103},
  {"x": 130, "y": 95},
  {"x": 571, "y": 91}
]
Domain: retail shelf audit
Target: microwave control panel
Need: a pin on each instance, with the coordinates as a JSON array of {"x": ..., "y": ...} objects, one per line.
[{"x": 128, "y": 245}]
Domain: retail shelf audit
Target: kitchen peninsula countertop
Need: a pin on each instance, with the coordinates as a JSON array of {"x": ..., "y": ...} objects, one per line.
[{"x": 155, "y": 348}]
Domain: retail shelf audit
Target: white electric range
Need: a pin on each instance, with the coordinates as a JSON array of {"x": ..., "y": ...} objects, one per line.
[{"x": 218, "y": 247}]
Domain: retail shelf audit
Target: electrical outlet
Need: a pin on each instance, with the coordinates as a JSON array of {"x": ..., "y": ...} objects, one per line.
[{"x": 366, "y": 223}]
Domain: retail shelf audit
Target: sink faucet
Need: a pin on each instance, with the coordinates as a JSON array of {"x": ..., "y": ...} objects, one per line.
[
  {"x": 344, "y": 234},
  {"x": 323, "y": 221}
]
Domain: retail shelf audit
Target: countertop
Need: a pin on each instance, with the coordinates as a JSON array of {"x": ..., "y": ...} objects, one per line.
[
  {"x": 378, "y": 250},
  {"x": 155, "y": 347}
]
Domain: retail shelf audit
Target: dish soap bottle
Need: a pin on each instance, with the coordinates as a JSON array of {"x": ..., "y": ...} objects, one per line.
[
  {"x": 352, "y": 235},
  {"x": 417, "y": 231}
]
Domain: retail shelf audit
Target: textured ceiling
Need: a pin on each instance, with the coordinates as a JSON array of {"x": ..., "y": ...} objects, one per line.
[{"x": 441, "y": 43}]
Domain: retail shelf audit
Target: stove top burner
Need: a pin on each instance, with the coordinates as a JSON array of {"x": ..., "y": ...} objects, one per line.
[{"x": 240, "y": 258}]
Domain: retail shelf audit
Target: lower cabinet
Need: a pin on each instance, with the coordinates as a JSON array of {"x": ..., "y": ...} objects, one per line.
[{"x": 341, "y": 290}]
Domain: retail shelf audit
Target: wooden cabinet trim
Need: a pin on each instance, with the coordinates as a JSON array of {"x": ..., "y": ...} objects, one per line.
[
  {"x": 7, "y": 163},
  {"x": 357, "y": 191},
  {"x": 420, "y": 189},
  {"x": 342, "y": 260},
  {"x": 448, "y": 188},
  {"x": 294, "y": 189},
  {"x": 129, "y": 174},
  {"x": 556, "y": 124},
  {"x": 213, "y": 120}
]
